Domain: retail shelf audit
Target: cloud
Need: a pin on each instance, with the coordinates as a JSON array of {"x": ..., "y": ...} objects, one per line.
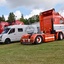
[
  {"x": 17, "y": 14},
  {"x": 34, "y": 12},
  {"x": 2, "y": 2},
  {"x": 6, "y": 17},
  {"x": 34, "y": 3},
  {"x": 62, "y": 13}
]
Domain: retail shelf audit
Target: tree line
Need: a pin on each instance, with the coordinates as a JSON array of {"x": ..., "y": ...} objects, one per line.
[{"x": 12, "y": 18}]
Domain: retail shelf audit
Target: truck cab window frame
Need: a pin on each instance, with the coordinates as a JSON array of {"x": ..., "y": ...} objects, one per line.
[
  {"x": 20, "y": 29},
  {"x": 61, "y": 21},
  {"x": 12, "y": 31}
]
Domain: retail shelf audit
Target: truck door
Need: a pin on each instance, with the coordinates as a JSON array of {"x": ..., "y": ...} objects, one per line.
[{"x": 12, "y": 34}]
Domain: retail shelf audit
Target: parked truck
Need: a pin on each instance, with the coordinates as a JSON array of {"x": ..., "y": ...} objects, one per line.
[
  {"x": 51, "y": 28},
  {"x": 12, "y": 33}
]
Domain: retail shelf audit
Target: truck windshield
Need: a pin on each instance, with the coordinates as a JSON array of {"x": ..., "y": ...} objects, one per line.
[
  {"x": 30, "y": 29},
  {"x": 5, "y": 30}
]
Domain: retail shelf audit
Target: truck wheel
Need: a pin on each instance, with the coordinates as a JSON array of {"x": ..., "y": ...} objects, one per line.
[
  {"x": 60, "y": 36},
  {"x": 38, "y": 39},
  {"x": 7, "y": 41}
]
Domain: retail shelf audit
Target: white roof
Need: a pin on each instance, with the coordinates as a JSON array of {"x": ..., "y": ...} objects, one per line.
[{"x": 18, "y": 26}]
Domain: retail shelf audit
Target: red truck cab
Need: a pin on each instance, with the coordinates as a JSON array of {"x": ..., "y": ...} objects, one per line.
[{"x": 48, "y": 33}]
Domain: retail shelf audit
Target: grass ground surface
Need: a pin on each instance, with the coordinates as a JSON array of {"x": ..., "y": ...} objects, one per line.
[{"x": 46, "y": 53}]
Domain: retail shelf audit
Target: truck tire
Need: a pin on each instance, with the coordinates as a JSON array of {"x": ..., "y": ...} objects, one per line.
[
  {"x": 7, "y": 41},
  {"x": 38, "y": 39},
  {"x": 60, "y": 36}
]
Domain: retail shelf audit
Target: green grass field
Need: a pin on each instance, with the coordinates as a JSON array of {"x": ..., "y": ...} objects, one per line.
[{"x": 46, "y": 53}]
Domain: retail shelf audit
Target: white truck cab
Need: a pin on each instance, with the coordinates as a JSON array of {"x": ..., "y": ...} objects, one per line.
[{"x": 12, "y": 33}]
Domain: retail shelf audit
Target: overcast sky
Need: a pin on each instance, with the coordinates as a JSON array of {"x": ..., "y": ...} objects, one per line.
[{"x": 29, "y": 7}]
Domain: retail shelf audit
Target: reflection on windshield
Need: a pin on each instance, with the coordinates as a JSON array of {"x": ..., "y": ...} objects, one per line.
[
  {"x": 5, "y": 30},
  {"x": 30, "y": 29}
]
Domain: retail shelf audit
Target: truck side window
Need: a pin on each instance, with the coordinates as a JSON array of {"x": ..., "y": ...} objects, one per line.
[
  {"x": 20, "y": 30},
  {"x": 61, "y": 21},
  {"x": 12, "y": 31}
]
